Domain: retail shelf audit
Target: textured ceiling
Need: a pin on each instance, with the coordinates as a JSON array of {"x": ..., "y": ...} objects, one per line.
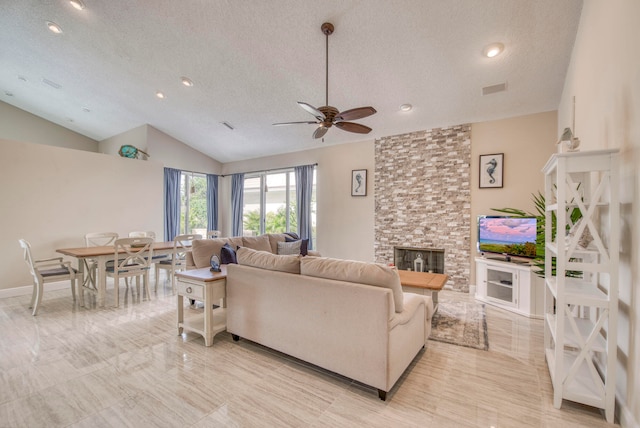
[{"x": 252, "y": 60}]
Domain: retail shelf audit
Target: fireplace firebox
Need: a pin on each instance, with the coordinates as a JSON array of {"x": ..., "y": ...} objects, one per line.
[{"x": 419, "y": 259}]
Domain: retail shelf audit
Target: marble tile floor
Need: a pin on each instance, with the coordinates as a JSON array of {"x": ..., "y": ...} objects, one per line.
[{"x": 128, "y": 367}]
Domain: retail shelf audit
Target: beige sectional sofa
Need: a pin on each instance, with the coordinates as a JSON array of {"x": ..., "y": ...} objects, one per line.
[
  {"x": 349, "y": 317},
  {"x": 203, "y": 249}
]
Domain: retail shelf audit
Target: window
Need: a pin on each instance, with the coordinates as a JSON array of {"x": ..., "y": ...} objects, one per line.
[
  {"x": 270, "y": 203},
  {"x": 193, "y": 203}
]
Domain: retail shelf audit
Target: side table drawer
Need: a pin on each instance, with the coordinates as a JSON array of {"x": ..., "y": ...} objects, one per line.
[{"x": 190, "y": 290}]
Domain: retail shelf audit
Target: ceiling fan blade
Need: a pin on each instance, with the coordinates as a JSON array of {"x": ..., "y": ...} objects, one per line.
[
  {"x": 353, "y": 127},
  {"x": 294, "y": 123},
  {"x": 311, "y": 109},
  {"x": 356, "y": 113},
  {"x": 320, "y": 131}
]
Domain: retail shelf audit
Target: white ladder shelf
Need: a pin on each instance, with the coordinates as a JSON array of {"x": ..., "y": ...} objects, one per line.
[{"x": 581, "y": 310}]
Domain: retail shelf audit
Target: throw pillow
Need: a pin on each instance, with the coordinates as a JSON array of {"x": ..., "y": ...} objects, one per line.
[
  {"x": 227, "y": 255},
  {"x": 304, "y": 244},
  {"x": 286, "y": 248}
]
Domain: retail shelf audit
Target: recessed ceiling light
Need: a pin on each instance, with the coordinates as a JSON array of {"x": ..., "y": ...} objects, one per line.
[
  {"x": 24, "y": 79},
  {"x": 493, "y": 50},
  {"x": 160, "y": 95},
  {"x": 9, "y": 94},
  {"x": 55, "y": 28},
  {"x": 186, "y": 81},
  {"x": 406, "y": 107},
  {"x": 86, "y": 109},
  {"x": 77, "y": 4}
]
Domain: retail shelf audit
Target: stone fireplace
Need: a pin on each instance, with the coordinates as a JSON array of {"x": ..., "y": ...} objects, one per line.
[{"x": 423, "y": 197}]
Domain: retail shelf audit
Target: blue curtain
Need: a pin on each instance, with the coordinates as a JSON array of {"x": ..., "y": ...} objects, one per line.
[
  {"x": 171, "y": 203},
  {"x": 237, "y": 190},
  {"x": 212, "y": 202},
  {"x": 304, "y": 189}
]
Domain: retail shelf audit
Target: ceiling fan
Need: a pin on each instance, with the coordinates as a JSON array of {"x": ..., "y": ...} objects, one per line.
[{"x": 328, "y": 116}]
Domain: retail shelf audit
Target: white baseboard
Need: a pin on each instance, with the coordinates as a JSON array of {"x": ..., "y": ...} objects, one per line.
[{"x": 28, "y": 289}]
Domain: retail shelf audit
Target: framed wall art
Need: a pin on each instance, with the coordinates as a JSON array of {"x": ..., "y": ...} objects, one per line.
[
  {"x": 359, "y": 182},
  {"x": 491, "y": 170}
]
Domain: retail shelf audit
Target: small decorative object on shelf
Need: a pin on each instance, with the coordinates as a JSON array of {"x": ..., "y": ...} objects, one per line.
[
  {"x": 418, "y": 264},
  {"x": 581, "y": 293},
  {"x": 215, "y": 264}
]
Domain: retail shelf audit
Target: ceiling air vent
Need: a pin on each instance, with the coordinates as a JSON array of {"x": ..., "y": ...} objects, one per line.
[
  {"x": 494, "y": 88},
  {"x": 50, "y": 83}
]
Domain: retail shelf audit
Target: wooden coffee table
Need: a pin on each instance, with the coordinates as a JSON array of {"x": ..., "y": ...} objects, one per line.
[{"x": 425, "y": 283}]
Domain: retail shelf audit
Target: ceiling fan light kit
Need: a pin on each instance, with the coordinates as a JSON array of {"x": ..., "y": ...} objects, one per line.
[{"x": 328, "y": 116}]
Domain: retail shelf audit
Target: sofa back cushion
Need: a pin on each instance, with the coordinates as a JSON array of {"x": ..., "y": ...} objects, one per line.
[
  {"x": 354, "y": 271},
  {"x": 267, "y": 260},
  {"x": 258, "y": 243},
  {"x": 203, "y": 249}
]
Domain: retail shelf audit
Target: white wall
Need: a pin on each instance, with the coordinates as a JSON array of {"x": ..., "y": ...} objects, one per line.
[
  {"x": 345, "y": 223},
  {"x": 19, "y": 125},
  {"x": 604, "y": 78},
  {"x": 527, "y": 143}
]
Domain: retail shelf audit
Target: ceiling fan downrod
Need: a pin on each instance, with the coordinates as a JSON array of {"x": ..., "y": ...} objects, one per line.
[{"x": 327, "y": 30}]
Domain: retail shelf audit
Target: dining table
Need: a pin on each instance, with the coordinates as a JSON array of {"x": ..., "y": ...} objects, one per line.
[{"x": 101, "y": 255}]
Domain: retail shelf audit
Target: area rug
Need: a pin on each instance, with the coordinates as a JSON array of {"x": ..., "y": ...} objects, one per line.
[{"x": 460, "y": 323}]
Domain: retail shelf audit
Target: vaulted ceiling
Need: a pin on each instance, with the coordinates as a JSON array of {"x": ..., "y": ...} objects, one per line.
[{"x": 251, "y": 61}]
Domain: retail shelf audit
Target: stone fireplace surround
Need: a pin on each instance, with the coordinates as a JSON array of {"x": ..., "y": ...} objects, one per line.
[{"x": 423, "y": 197}]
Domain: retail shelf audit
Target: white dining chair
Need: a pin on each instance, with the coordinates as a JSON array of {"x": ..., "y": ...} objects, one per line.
[
  {"x": 96, "y": 239},
  {"x": 213, "y": 234},
  {"x": 178, "y": 260},
  {"x": 143, "y": 234},
  {"x": 132, "y": 258},
  {"x": 47, "y": 270}
]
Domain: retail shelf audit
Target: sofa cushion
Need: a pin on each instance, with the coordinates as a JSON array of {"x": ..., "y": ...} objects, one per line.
[
  {"x": 258, "y": 243},
  {"x": 227, "y": 255},
  {"x": 354, "y": 271},
  {"x": 203, "y": 249},
  {"x": 267, "y": 260},
  {"x": 274, "y": 238}
]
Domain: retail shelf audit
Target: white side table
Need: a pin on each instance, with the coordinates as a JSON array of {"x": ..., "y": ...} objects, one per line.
[{"x": 207, "y": 287}]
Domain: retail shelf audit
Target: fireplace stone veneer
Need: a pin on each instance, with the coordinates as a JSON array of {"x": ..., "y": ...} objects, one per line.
[{"x": 423, "y": 197}]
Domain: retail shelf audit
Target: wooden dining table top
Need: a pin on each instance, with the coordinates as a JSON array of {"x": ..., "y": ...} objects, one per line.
[{"x": 88, "y": 252}]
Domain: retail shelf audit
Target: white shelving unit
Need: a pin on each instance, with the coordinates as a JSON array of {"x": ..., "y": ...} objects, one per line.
[{"x": 581, "y": 310}]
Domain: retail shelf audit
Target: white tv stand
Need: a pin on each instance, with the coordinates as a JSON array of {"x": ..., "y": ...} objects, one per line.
[{"x": 511, "y": 285}]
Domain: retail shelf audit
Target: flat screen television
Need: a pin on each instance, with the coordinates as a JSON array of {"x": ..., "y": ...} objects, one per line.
[{"x": 511, "y": 236}]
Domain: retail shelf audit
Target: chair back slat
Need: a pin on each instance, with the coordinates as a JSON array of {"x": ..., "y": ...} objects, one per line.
[
  {"x": 100, "y": 239},
  {"x": 28, "y": 258},
  {"x": 133, "y": 254},
  {"x": 142, "y": 234}
]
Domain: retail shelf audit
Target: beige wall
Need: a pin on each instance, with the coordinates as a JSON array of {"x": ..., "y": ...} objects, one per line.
[
  {"x": 345, "y": 223},
  {"x": 527, "y": 143},
  {"x": 53, "y": 196},
  {"x": 604, "y": 78},
  {"x": 18, "y": 125}
]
